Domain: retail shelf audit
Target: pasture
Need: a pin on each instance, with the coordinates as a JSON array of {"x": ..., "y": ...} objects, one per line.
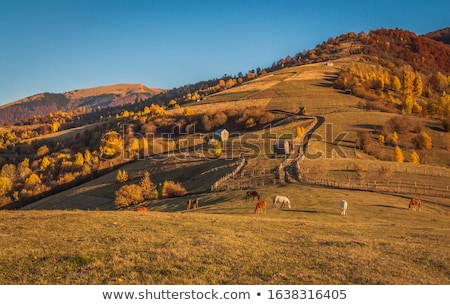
[{"x": 380, "y": 241}]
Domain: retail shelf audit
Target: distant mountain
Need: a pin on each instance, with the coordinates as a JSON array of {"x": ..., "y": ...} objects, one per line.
[
  {"x": 105, "y": 96},
  {"x": 442, "y": 35}
]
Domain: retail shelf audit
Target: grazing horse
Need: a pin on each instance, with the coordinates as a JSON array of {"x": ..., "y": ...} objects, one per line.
[
  {"x": 415, "y": 204},
  {"x": 195, "y": 203},
  {"x": 261, "y": 207},
  {"x": 252, "y": 194},
  {"x": 343, "y": 204},
  {"x": 283, "y": 200},
  {"x": 141, "y": 209},
  {"x": 188, "y": 204}
]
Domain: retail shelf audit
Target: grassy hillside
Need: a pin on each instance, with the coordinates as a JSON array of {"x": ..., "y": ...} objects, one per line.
[{"x": 379, "y": 242}]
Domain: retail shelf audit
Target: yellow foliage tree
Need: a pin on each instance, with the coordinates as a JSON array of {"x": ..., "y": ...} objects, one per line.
[
  {"x": 398, "y": 155},
  {"x": 299, "y": 132},
  {"x": 148, "y": 188},
  {"x": 122, "y": 176},
  {"x": 44, "y": 163},
  {"x": 188, "y": 111},
  {"x": 128, "y": 195},
  {"x": 32, "y": 181},
  {"x": 5, "y": 185},
  {"x": 414, "y": 157}
]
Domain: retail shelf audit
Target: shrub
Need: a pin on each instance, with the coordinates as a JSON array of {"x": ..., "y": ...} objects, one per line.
[
  {"x": 219, "y": 119},
  {"x": 172, "y": 189},
  {"x": 362, "y": 140},
  {"x": 400, "y": 124},
  {"x": 422, "y": 140},
  {"x": 385, "y": 172},
  {"x": 128, "y": 195}
]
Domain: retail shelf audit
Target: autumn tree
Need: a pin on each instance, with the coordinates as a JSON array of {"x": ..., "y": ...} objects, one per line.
[
  {"x": 172, "y": 189},
  {"x": 32, "y": 181},
  {"x": 218, "y": 148},
  {"x": 148, "y": 188},
  {"x": 5, "y": 186},
  {"x": 45, "y": 162},
  {"x": 23, "y": 169},
  {"x": 394, "y": 138},
  {"x": 299, "y": 132},
  {"x": 188, "y": 112},
  {"x": 111, "y": 145},
  {"x": 396, "y": 84},
  {"x": 128, "y": 195},
  {"x": 79, "y": 160},
  {"x": 87, "y": 156},
  {"x": 9, "y": 171},
  {"x": 42, "y": 151},
  {"x": 418, "y": 85},
  {"x": 122, "y": 176},
  {"x": 206, "y": 123},
  {"x": 398, "y": 155},
  {"x": 423, "y": 141},
  {"x": 219, "y": 119},
  {"x": 414, "y": 157}
]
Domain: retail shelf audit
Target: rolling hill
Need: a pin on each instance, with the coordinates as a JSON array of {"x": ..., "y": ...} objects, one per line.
[{"x": 44, "y": 103}]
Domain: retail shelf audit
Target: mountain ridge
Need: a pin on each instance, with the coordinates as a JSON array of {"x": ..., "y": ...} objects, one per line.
[{"x": 42, "y": 104}]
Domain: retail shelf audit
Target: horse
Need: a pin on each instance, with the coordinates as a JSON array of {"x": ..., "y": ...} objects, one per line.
[
  {"x": 415, "y": 204},
  {"x": 252, "y": 194},
  {"x": 141, "y": 209},
  {"x": 343, "y": 204},
  {"x": 283, "y": 200},
  {"x": 261, "y": 207},
  {"x": 188, "y": 204},
  {"x": 195, "y": 203}
]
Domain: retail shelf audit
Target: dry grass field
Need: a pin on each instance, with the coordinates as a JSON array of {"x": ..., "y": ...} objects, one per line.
[{"x": 379, "y": 242}]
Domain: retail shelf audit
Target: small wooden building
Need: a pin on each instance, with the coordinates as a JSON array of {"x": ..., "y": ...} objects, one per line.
[
  {"x": 221, "y": 134},
  {"x": 281, "y": 147}
]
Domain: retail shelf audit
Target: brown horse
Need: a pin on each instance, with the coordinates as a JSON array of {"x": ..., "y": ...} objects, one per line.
[
  {"x": 261, "y": 207},
  {"x": 188, "y": 204},
  {"x": 253, "y": 194},
  {"x": 415, "y": 204},
  {"x": 141, "y": 209},
  {"x": 195, "y": 203}
]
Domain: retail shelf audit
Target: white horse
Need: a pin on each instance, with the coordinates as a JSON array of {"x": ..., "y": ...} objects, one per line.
[
  {"x": 343, "y": 205},
  {"x": 284, "y": 200}
]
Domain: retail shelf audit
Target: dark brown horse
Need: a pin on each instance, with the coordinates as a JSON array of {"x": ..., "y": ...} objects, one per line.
[
  {"x": 188, "y": 204},
  {"x": 253, "y": 195}
]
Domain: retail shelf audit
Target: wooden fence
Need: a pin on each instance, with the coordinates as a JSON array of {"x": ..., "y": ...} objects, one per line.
[
  {"x": 239, "y": 165},
  {"x": 383, "y": 187}
]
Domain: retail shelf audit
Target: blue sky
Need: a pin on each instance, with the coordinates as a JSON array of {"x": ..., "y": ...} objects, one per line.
[{"x": 58, "y": 46}]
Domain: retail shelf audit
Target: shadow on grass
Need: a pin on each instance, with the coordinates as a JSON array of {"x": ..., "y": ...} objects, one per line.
[{"x": 389, "y": 206}]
